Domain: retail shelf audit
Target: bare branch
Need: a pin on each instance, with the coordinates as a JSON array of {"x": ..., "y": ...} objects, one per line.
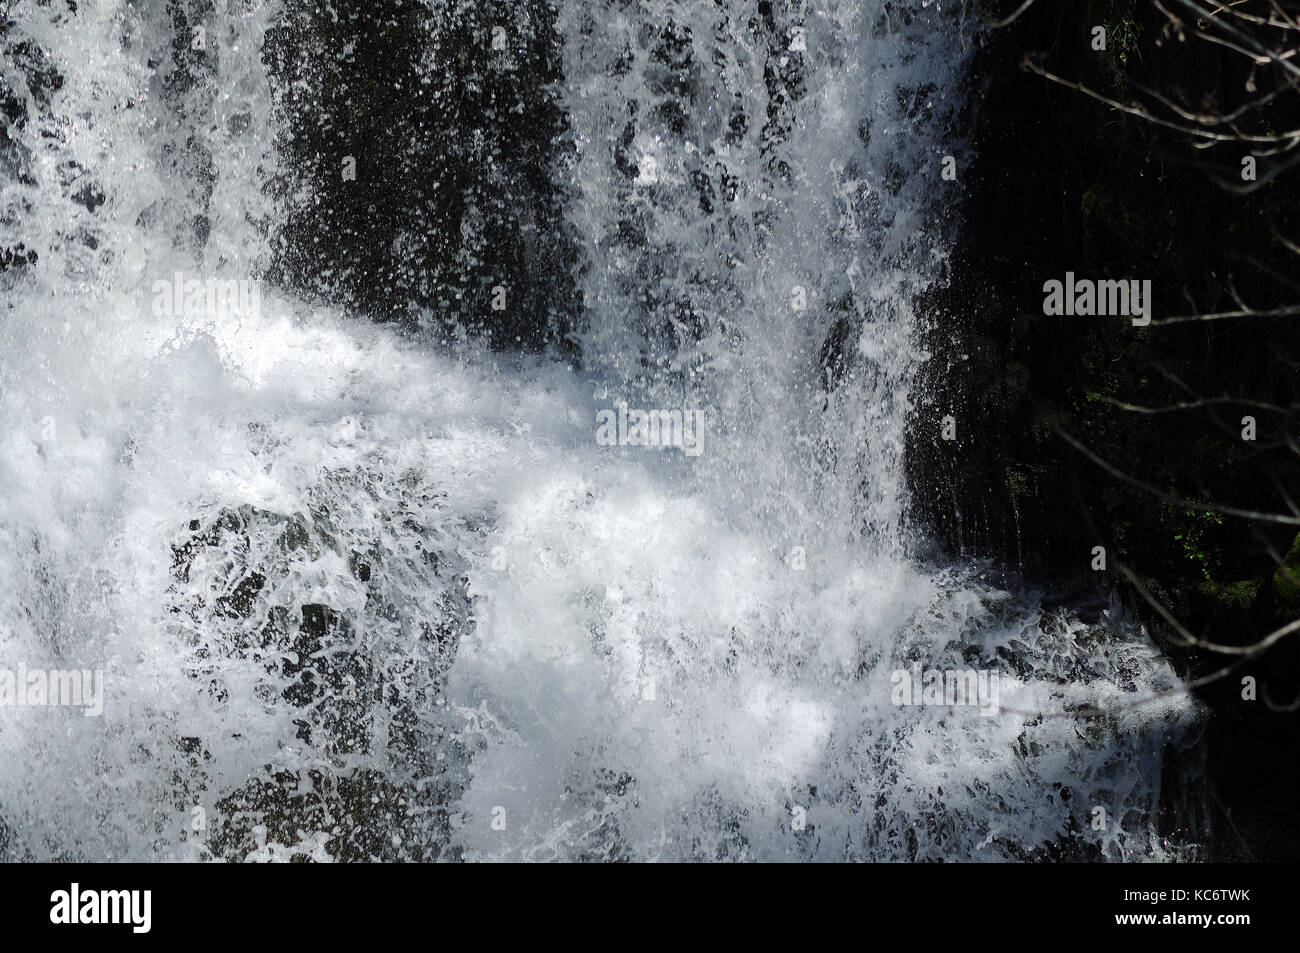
[
  {"x": 998, "y": 24},
  {"x": 1169, "y": 497}
]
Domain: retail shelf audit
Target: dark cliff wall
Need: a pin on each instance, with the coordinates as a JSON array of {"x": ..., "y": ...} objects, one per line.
[{"x": 1062, "y": 182}]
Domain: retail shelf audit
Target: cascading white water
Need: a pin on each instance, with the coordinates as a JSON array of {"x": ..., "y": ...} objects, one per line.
[{"x": 357, "y": 598}]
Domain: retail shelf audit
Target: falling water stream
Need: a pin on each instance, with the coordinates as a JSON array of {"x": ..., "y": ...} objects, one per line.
[{"x": 356, "y": 594}]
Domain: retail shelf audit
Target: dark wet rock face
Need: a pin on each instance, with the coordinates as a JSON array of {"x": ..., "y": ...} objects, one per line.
[
  {"x": 835, "y": 354},
  {"x": 362, "y": 685},
  {"x": 421, "y": 152},
  {"x": 1060, "y": 183}
]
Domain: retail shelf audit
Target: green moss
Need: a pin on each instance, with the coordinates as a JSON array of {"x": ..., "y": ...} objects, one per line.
[
  {"x": 1286, "y": 581},
  {"x": 1017, "y": 483},
  {"x": 1122, "y": 30},
  {"x": 1230, "y": 597},
  {"x": 1191, "y": 531}
]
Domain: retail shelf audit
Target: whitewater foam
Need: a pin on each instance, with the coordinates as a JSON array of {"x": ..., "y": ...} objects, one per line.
[{"x": 357, "y": 598}]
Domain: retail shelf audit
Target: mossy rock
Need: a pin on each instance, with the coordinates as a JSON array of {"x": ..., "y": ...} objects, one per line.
[
  {"x": 1227, "y": 600},
  {"x": 1286, "y": 582}
]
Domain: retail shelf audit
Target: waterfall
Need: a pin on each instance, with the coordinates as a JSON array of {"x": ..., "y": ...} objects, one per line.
[{"x": 359, "y": 592}]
